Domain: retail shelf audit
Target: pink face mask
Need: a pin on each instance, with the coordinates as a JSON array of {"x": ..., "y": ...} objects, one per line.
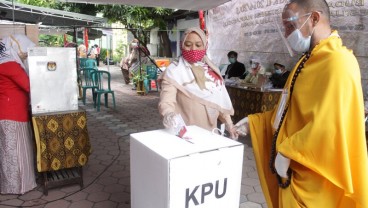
[{"x": 193, "y": 56}]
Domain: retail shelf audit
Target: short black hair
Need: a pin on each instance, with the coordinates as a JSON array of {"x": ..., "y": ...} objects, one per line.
[
  {"x": 314, "y": 5},
  {"x": 232, "y": 53},
  {"x": 280, "y": 65}
]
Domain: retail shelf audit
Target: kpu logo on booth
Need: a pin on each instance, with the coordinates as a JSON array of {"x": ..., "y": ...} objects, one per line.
[{"x": 205, "y": 190}]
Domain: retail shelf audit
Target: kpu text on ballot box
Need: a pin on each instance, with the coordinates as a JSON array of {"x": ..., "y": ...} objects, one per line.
[{"x": 170, "y": 172}]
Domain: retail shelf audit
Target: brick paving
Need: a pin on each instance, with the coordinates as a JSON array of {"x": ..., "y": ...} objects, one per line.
[{"x": 107, "y": 174}]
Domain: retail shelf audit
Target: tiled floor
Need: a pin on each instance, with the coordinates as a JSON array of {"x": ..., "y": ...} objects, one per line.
[{"x": 107, "y": 174}]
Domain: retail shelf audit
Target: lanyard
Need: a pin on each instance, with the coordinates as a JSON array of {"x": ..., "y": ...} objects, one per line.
[{"x": 274, "y": 140}]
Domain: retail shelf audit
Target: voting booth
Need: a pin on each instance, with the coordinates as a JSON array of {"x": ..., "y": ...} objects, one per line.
[
  {"x": 53, "y": 79},
  {"x": 60, "y": 128},
  {"x": 170, "y": 172}
]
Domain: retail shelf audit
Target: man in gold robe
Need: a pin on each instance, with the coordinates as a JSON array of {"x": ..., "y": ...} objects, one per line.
[{"x": 311, "y": 150}]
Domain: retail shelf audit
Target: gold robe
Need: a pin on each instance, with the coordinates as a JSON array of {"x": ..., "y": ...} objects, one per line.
[{"x": 323, "y": 134}]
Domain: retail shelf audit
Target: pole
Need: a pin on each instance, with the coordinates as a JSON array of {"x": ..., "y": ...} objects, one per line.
[
  {"x": 139, "y": 59},
  {"x": 108, "y": 52},
  {"x": 13, "y": 11},
  {"x": 139, "y": 47},
  {"x": 76, "y": 48}
]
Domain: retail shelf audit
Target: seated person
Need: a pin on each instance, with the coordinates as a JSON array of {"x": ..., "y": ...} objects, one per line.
[
  {"x": 252, "y": 77},
  {"x": 82, "y": 51},
  {"x": 92, "y": 53},
  {"x": 235, "y": 69},
  {"x": 279, "y": 76}
]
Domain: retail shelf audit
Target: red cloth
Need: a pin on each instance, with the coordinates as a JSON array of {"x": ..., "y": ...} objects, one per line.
[
  {"x": 86, "y": 37},
  {"x": 14, "y": 92},
  {"x": 202, "y": 23}
]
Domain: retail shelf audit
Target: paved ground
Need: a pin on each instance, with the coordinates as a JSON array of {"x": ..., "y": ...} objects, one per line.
[{"x": 107, "y": 174}]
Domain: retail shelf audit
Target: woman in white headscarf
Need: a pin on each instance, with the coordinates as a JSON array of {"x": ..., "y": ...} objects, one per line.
[
  {"x": 17, "y": 172},
  {"x": 193, "y": 87}
]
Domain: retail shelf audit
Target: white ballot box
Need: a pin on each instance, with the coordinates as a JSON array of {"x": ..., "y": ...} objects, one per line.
[
  {"x": 53, "y": 79},
  {"x": 170, "y": 172}
]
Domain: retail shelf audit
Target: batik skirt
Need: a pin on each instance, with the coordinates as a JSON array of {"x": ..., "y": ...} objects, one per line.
[{"x": 17, "y": 164}]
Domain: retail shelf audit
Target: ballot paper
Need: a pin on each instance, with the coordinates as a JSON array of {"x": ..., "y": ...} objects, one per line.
[{"x": 180, "y": 127}]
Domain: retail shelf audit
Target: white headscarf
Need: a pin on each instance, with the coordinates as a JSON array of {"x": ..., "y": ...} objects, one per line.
[
  {"x": 197, "y": 30},
  {"x": 14, "y": 48}
]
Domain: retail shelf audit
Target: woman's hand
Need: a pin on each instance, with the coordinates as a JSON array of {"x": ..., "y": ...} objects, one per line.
[{"x": 169, "y": 120}]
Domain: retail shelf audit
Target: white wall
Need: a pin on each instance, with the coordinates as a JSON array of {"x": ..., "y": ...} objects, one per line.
[{"x": 248, "y": 27}]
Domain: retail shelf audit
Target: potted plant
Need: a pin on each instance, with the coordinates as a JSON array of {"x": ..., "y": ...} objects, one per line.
[{"x": 139, "y": 80}]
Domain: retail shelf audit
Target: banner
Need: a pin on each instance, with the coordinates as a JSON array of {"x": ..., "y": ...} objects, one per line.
[{"x": 248, "y": 27}]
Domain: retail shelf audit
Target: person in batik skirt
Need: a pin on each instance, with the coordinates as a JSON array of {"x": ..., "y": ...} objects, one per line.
[{"x": 17, "y": 171}]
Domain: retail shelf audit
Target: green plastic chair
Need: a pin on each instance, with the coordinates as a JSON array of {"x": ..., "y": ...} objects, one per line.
[
  {"x": 102, "y": 80},
  {"x": 87, "y": 82},
  {"x": 87, "y": 63},
  {"x": 151, "y": 71},
  {"x": 82, "y": 63}
]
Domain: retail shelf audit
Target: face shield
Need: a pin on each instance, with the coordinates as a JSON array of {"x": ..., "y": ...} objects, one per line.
[
  {"x": 289, "y": 23},
  {"x": 254, "y": 62}
]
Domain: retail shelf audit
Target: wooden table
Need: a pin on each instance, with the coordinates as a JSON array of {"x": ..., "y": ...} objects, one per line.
[
  {"x": 63, "y": 147},
  {"x": 248, "y": 101}
]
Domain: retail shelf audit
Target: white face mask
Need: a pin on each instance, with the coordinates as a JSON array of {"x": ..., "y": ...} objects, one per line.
[
  {"x": 297, "y": 41},
  {"x": 253, "y": 66}
]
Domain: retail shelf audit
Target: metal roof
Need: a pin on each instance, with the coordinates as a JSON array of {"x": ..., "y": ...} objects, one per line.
[
  {"x": 171, "y": 4},
  {"x": 50, "y": 17}
]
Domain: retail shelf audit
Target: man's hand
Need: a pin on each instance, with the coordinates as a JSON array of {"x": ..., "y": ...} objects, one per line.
[
  {"x": 232, "y": 131},
  {"x": 282, "y": 165},
  {"x": 242, "y": 127}
]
